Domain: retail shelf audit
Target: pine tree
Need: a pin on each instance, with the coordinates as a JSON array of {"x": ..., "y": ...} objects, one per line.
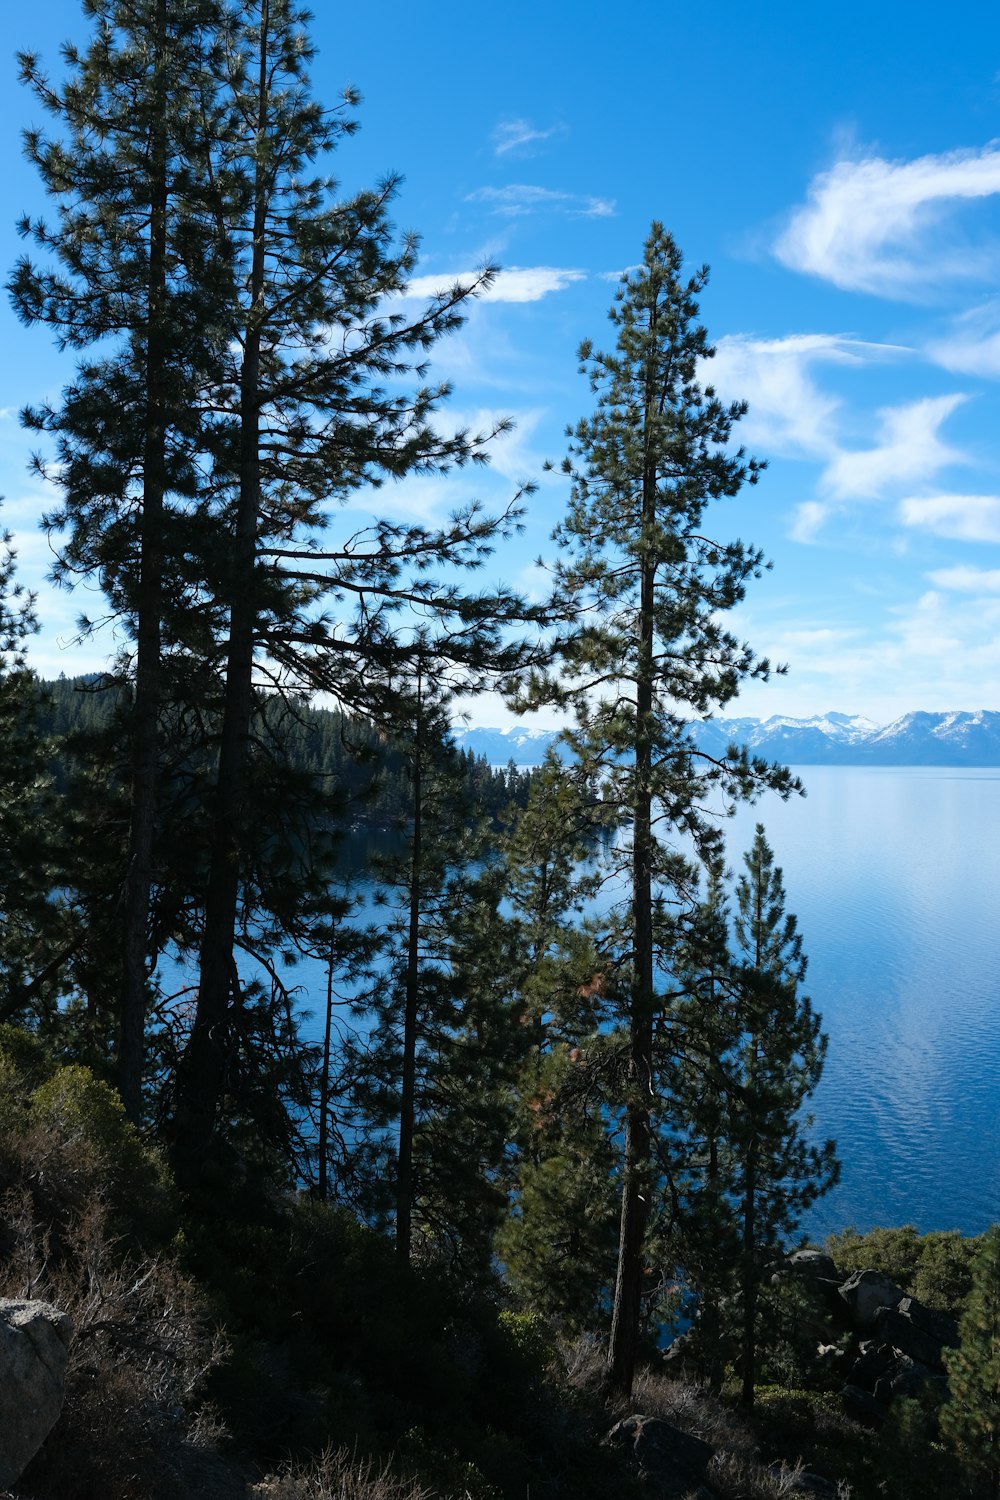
[
  {"x": 558, "y": 1242},
  {"x": 771, "y": 1067},
  {"x": 126, "y": 245},
  {"x": 970, "y": 1418},
  {"x": 698, "y": 1216},
  {"x": 425, "y": 1086},
  {"x": 648, "y": 652},
  {"x": 309, "y": 411},
  {"x": 31, "y": 915}
]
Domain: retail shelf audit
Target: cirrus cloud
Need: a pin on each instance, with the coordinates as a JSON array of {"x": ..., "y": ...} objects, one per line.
[
  {"x": 520, "y": 198},
  {"x": 967, "y": 580},
  {"x": 973, "y": 345},
  {"x": 909, "y": 449},
  {"x": 788, "y": 413},
  {"x": 520, "y": 136},
  {"x": 967, "y": 518},
  {"x": 880, "y": 226},
  {"x": 513, "y": 284}
]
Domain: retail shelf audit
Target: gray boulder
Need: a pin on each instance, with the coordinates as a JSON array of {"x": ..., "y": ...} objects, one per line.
[
  {"x": 873, "y": 1362},
  {"x": 865, "y": 1293},
  {"x": 813, "y": 1263},
  {"x": 904, "y": 1377},
  {"x": 863, "y": 1406},
  {"x": 916, "y": 1331},
  {"x": 671, "y": 1461},
  {"x": 34, "y": 1347}
]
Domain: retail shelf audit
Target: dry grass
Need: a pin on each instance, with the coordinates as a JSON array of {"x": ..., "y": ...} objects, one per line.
[
  {"x": 737, "y": 1470},
  {"x": 142, "y": 1348},
  {"x": 338, "y": 1475}
]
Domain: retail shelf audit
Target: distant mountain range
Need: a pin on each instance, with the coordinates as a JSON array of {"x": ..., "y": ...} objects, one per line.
[{"x": 917, "y": 739}]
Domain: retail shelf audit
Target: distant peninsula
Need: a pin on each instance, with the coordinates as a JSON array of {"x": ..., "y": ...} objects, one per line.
[{"x": 833, "y": 739}]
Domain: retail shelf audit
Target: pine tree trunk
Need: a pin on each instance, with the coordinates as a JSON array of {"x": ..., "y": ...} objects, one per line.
[
  {"x": 149, "y": 604},
  {"x": 407, "y": 1103},
  {"x": 749, "y": 1351},
  {"x": 206, "y": 1057},
  {"x": 626, "y": 1310},
  {"x": 324, "y": 1085}
]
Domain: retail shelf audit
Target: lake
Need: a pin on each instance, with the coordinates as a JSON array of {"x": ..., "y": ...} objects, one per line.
[{"x": 894, "y": 875}]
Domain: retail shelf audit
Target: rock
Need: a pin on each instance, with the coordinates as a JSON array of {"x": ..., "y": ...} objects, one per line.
[
  {"x": 679, "y": 1353},
  {"x": 813, "y": 1484},
  {"x": 867, "y": 1291},
  {"x": 917, "y": 1331},
  {"x": 671, "y": 1461},
  {"x": 872, "y": 1364},
  {"x": 813, "y": 1263},
  {"x": 863, "y": 1406},
  {"x": 904, "y": 1377},
  {"x": 34, "y": 1346}
]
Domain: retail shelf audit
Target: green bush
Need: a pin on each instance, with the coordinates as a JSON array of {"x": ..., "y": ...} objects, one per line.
[
  {"x": 24, "y": 1065},
  {"x": 82, "y": 1198},
  {"x": 813, "y": 1426},
  {"x": 934, "y": 1267},
  {"x": 531, "y": 1337},
  {"x": 912, "y": 1463}
]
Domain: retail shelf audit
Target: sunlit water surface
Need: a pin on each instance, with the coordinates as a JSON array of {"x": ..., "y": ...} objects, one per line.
[{"x": 894, "y": 874}]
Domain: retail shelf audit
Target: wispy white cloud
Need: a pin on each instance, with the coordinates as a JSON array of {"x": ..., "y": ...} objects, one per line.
[
  {"x": 936, "y": 651},
  {"x": 520, "y": 136},
  {"x": 512, "y": 455},
  {"x": 788, "y": 413},
  {"x": 882, "y": 226},
  {"x": 809, "y": 519},
  {"x": 967, "y": 580},
  {"x": 514, "y": 284},
  {"x": 973, "y": 345},
  {"x": 909, "y": 450},
  {"x": 519, "y": 198},
  {"x": 967, "y": 518}
]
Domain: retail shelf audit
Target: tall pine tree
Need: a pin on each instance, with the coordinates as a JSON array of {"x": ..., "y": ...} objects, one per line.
[
  {"x": 309, "y": 410},
  {"x": 773, "y": 1064},
  {"x": 650, "y": 651},
  {"x": 129, "y": 257}
]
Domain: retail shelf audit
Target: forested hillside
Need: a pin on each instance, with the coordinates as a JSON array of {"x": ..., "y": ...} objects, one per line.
[
  {"x": 549, "y": 1109},
  {"x": 333, "y": 748}
]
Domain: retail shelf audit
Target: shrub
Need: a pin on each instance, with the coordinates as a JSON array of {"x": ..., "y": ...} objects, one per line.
[
  {"x": 337, "y": 1475},
  {"x": 531, "y": 1337},
  {"x": 970, "y": 1418},
  {"x": 936, "y": 1267},
  {"x": 82, "y": 1199}
]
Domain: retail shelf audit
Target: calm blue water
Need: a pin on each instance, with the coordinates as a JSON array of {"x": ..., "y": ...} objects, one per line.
[{"x": 894, "y": 875}]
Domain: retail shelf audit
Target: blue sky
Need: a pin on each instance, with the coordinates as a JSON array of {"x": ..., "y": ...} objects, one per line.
[{"x": 839, "y": 170}]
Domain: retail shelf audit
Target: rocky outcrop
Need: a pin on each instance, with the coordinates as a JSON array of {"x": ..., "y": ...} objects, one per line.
[
  {"x": 34, "y": 1347},
  {"x": 916, "y": 1331},
  {"x": 814, "y": 1264},
  {"x": 898, "y": 1343},
  {"x": 866, "y": 1294},
  {"x": 672, "y": 1462}
]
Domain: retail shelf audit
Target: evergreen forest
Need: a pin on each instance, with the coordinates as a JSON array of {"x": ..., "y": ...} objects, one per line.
[{"x": 390, "y": 1124}]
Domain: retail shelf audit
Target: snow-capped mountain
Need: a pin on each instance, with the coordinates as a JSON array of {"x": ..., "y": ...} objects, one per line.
[
  {"x": 525, "y": 747},
  {"x": 916, "y": 739}
]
